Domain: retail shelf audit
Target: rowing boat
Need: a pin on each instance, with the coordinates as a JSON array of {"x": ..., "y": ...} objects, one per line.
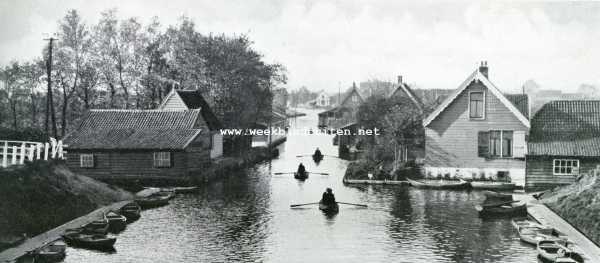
[
  {"x": 329, "y": 208},
  {"x": 439, "y": 184},
  {"x": 52, "y": 252},
  {"x": 497, "y": 196},
  {"x": 131, "y": 211},
  {"x": 303, "y": 176},
  {"x": 534, "y": 234},
  {"x": 489, "y": 185},
  {"x": 95, "y": 241},
  {"x": 116, "y": 222},
  {"x": 502, "y": 210},
  {"x": 553, "y": 251},
  {"x": 317, "y": 158},
  {"x": 152, "y": 201}
]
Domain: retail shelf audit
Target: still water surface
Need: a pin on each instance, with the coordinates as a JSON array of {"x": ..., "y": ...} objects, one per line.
[{"x": 247, "y": 218}]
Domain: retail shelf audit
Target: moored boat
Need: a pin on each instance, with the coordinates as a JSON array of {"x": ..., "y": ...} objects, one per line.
[
  {"x": 99, "y": 226},
  {"x": 491, "y": 195},
  {"x": 553, "y": 251},
  {"x": 502, "y": 210},
  {"x": 491, "y": 185},
  {"x": 299, "y": 176},
  {"x": 329, "y": 208},
  {"x": 116, "y": 222},
  {"x": 185, "y": 190},
  {"x": 317, "y": 158},
  {"x": 131, "y": 211},
  {"x": 152, "y": 201},
  {"x": 533, "y": 234},
  {"x": 439, "y": 184},
  {"x": 92, "y": 241},
  {"x": 52, "y": 252},
  {"x": 524, "y": 222}
]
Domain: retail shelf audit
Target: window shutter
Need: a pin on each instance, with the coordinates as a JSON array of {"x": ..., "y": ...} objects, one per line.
[
  {"x": 483, "y": 145},
  {"x": 519, "y": 144},
  {"x": 171, "y": 159}
]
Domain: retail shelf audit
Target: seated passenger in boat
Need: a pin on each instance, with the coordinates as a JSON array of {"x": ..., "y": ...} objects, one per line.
[
  {"x": 328, "y": 197},
  {"x": 317, "y": 153},
  {"x": 301, "y": 169}
]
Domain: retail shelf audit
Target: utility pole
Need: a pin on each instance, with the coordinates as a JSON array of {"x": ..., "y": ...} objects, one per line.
[{"x": 49, "y": 100}]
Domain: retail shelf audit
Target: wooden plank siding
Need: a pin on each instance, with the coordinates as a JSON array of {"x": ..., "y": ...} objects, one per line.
[
  {"x": 540, "y": 174},
  {"x": 452, "y": 138}
]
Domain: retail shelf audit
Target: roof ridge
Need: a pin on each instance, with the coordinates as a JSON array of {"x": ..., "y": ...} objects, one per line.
[{"x": 140, "y": 110}]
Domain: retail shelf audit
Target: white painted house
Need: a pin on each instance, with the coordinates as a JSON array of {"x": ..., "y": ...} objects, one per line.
[{"x": 323, "y": 100}]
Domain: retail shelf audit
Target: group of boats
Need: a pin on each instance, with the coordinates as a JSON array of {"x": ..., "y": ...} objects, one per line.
[
  {"x": 95, "y": 235},
  {"x": 551, "y": 245},
  {"x": 462, "y": 184}
]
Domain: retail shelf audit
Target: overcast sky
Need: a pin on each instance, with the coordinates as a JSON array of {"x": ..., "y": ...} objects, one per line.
[{"x": 323, "y": 43}]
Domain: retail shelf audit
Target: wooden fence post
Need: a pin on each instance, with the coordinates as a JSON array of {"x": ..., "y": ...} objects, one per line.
[
  {"x": 23, "y": 154},
  {"x": 31, "y": 152},
  {"x": 14, "y": 155},
  {"x": 46, "y": 145},
  {"x": 5, "y": 155},
  {"x": 38, "y": 147}
]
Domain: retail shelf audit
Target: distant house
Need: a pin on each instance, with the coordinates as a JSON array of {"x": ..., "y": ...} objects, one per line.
[
  {"x": 323, "y": 100},
  {"x": 403, "y": 90},
  {"x": 478, "y": 132},
  {"x": 344, "y": 113},
  {"x": 193, "y": 100},
  {"x": 278, "y": 123},
  {"x": 149, "y": 143},
  {"x": 564, "y": 141}
]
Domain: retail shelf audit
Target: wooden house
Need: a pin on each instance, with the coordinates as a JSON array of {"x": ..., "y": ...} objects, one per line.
[
  {"x": 193, "y": 100},
  {"x": 344, "y": 113},
  {"x": 564, "y": 142},
  {"x": 323, "y": 100},
  {"x": 478, "y": 132},
  {"x": 149, "y": 143}
]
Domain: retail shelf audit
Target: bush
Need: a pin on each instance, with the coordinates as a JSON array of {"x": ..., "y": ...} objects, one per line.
[{"x": 26, "y": 134}]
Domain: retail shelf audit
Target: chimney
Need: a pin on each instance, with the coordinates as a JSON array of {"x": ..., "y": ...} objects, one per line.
[
  {"x": 483, "y": 68},
  {"x": 399, "y": 79}
]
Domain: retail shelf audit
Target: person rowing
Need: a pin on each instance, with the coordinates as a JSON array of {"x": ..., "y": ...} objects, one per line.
[
  {"x": 328, "y": 197},
  {"x": 317, "y": 153},
  {"x": 301, "y": 170}
]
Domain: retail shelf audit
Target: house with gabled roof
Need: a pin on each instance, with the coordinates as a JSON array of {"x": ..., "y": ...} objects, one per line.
[
  {"x": 344, "y": 113},
  {"x": 404, "y": 90},
  {"x": 148, "y": 143},
  {"x": 193, "y": 100},
  {"x": 564, "y": 142},
  {"x": 478, "y": 132}
]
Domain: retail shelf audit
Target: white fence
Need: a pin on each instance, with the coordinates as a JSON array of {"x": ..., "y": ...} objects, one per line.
[{"x": 16, "y": 152}]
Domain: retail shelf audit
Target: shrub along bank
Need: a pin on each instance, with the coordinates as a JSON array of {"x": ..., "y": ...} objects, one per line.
[
  {"x": 42, "y": 195},
  {"x": 579, "y": 204}
]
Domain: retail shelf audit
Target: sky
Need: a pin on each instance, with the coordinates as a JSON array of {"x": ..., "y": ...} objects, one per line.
[{"x": 327, "y": 44}]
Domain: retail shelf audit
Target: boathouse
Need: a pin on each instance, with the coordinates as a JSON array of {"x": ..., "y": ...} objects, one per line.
[
  {"x": 564, "y": 142},
  {"x": 344, "y": 113},
  {"x": 148, "y": 143},
  {"x": 478, "y": 132}
]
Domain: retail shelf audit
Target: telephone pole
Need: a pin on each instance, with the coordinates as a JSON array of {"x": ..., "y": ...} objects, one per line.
[{"x": 49, "y": 97}]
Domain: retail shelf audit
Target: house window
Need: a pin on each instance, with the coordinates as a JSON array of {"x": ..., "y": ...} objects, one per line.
[
  {"x": 566, "y": 167},
  {"x": 86, "y": 161},
  {"x": 501, "y": 143},
  {"x": 162, "y": 159},
  {"x": 476, "y": 105}
]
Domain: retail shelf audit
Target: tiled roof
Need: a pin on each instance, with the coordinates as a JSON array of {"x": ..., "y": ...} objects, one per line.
[
  {"x": 193, "y": 99},
  {"x": 521, "y": 102},
  {"x": 566, "y": 128},
  {"x": 135, "y": 129}
]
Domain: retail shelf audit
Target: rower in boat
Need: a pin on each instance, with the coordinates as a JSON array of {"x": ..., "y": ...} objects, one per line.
[
  {"x": 328, "y": 203},
  {"x": 301, "y": 172},
  {"x": 317, "y": 156}
]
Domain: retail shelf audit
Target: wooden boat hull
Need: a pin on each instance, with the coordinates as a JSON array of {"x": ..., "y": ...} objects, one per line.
[
  {"x": 152, "y": 202},
  {"x": 329, "y": 208},
  {"x": 131, "y": 211},
  {"x": 185, "y": 190},
  {"x": 497, "y": 196},
  {"x": 301, "y": 176},
  {"x": 99, "y": 242},
  {"x": 438, "y": 184},
  {"x": 501, "y": 186},
  {"x": 53, "y": 252},
  {"x": 116, "y": 222},
  {"x": 552, "y": 251},
  {"x": 533, "y": 235},
  {"x": 96, "y": 227},
  {"x": 502, "y": 211}
]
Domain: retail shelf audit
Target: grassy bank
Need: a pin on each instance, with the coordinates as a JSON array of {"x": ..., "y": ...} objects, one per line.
[
  {"x": 579, "y": 204},
  {"x": 42, "y": 195}
]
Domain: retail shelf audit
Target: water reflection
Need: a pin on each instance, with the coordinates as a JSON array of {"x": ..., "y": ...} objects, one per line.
[{"x": 246, "y": 217}]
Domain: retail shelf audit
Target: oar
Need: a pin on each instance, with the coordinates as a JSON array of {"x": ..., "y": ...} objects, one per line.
[
  {"x": 500, "y": 204},
  {"x": 284, "y": 173},
  {"x": 318, "y": 173},
  {"x": 351, "y": 204},
  {"x": 296, "y": 205}
]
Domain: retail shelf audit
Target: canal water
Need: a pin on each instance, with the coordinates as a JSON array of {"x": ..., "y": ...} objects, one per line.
[{"x": 247, "y": 218}]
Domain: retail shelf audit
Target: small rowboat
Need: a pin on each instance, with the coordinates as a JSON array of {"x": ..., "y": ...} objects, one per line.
[
  {"x": 439, "y": 184},
  {"x": 152, "y": 201},
  {"x": 99, "y": 226},
  {"x": 131, "y": 211},
  {"x": 533, "y": 235},
  {"x": 301, "y": 176},
  {"x": 329, "y": 208},
  {"x": 497, "y": 196},
  {"x": 553, "y": 251},
  {"x": 184, "y": 190},
  {"x": 509, "y": 209},
  {"x": 317, "y": 158},
  {"x": 52, "y": 252},
  {"x": 94, "y": 241},
  {"x": 489, "y": 185},
  {"x": 524, "y": 222},
  {"x": 116, "y": 222}
]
